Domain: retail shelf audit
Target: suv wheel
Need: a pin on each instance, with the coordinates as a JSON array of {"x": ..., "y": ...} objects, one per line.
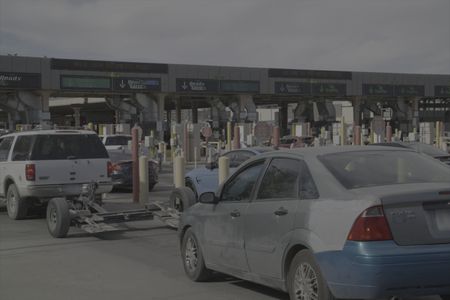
[
  {"x": 182, "y": 198},
  {"x": 305, "y": 281},
  {"x": 16, "y": 206},
  {"x": 192, "y": 256}
]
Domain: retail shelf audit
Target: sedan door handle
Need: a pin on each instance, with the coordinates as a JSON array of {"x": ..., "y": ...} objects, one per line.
[
  {"x": 235, "y": 213},
  {"x": 281, "y": 211}
]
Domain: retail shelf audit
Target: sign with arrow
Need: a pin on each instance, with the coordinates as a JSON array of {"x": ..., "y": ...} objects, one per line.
[
  {"x": 137, "y": 84},
  {"x": 297, "y": 88},
  {"x": 409, "y": 90},
  {"x": 329, "y": 89},
  {"x": 190, "y": 85},
  {"x": 442, "y": 91},
  {"x": 378, "y": 90}
]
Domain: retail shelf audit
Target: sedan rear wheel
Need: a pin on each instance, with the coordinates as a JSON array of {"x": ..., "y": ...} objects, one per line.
[
  {"x": 193, "y": 262},
  {"x": 305, "y": 281}
]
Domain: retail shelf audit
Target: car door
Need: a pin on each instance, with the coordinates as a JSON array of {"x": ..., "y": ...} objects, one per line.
[
  {"x": 270, "y": 216},
  {"x": 223, "y": 225}
]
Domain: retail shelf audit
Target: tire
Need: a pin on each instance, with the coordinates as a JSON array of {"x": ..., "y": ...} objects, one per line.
[
  {"x": 192, "y": 256},
  {"x": 58, "y": 217},
  {"x": 190, "y": 185},
  {"x": 313, "y": 281},
  {"x": 182, "y": 198},
  {"x": 16, "y": 206}
]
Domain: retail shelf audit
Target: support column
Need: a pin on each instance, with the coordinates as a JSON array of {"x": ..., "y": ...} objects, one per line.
[
  {"x": 356, "y": 111},
  {"x": 283, "y": 118},
  {"x": 178, "y": 110},
  {"x": 160, "y": 116},
  {"x": 195, "y": 115}
]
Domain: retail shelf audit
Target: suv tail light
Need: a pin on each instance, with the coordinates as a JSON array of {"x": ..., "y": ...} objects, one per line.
[
  {"x": 30, "y": 172},
  {"x": 110, "y": 168},
  {"x": 371, "y": 225}
]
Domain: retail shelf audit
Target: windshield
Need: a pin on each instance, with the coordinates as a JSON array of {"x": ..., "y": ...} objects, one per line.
[
  {"x": 69, "y": 146},
  {"x": 376, "y": 168}
]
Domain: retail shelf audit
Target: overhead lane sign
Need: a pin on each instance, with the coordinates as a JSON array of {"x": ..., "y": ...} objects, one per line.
[
  {"x": 20, "y": 80},
  {"x": 295, "y": 88},
  {"x": 378, "y": 90},
  {"x": 239, "y": 86},
  {"x": 409, "y": 90},
  {"x": 74, "y": 82},
  {"x": 442, "y": 91},
  {"x": 197, "y": 85},
  {"x": 137, "y": 84},
  {"x": 329, "y": 89}
]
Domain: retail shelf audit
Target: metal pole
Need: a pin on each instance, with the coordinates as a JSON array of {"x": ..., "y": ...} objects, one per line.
[
  {"x": 228, "y": 135},
  {"x": 388, "y": 133},
  {"x": 143, "y": 179},
  {"x": 357, "y": 135},
  {"x": 237, "y": 138},
  {"x": 276, "y": 136},
  {"x": 135, "y": 159},
  {"x": 224, "y": 168}
]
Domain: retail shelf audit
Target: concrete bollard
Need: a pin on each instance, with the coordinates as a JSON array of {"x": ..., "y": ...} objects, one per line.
[
  {"x": 342, "y": 132},
  {"x": 143, "y": 179},
  {"x": 388, "y": 133},
  {"x": 179, "y": 171},
  {"x": 224, "y": 168},
  {"x": 237, "y": 138},
  {"x": 276, "y": 136},
  {"x": 357, "y": 135},
  {"x": 195, "y": 157}
]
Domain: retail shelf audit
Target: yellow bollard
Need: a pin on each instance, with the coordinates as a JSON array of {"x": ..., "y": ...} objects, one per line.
[
  {"x": 179, "y": 171},
  {"x": 224, "y": 168}
]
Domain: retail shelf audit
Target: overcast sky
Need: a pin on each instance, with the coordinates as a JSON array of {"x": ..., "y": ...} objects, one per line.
[{"x": 358, "y": 35}]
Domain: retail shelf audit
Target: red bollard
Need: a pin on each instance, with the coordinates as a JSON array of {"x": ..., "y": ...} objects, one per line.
[
  {"x": 388, "y": 133},
  {"x": 237, "y": 138},
  {"x": 135, "y": 159},
  {"x": 357, "y": 135},
  {"x": 276, "y": 137}
]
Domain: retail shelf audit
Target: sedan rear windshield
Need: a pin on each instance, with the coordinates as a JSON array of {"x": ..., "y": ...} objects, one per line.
[
  {"x": 376, "y": 168},
  {"x": 70, "y": 146}
]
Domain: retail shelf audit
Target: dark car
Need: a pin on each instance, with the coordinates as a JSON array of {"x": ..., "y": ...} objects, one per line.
[
  {"x": 421, "y": 148},
  {"x": 122, "y": 174}
]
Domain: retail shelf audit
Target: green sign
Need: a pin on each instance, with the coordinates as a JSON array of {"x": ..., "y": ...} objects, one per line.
[
  {"x": 377, "y": 90},
  {"x": 85, "y": 82},
  {"x": 409, "y": 90},
  {"x": 442, "y": 91},
  {"x": 330, "y": 89}
]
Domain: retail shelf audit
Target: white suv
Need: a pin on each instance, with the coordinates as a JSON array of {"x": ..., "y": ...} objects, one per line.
[
  {"x": 116, "y": 141},
  {"x": 38, "y": 165}
]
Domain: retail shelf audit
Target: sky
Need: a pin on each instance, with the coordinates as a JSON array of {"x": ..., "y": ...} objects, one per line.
[{"x": 403, "y": 36}]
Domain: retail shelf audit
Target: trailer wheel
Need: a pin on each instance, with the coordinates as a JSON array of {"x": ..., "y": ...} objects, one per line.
[
  {"x": 182, "y": 198},
  {"x": 58, "y": 217}
]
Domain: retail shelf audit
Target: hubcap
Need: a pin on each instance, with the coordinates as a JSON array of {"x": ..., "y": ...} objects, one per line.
[
  {"x": 191, "y": 255},
  {"x": 305, "y": 283},
  {"x": 12, "y": 205},
  {"x": 178, "y": 204},
  {"x": 52, "y": 218}
]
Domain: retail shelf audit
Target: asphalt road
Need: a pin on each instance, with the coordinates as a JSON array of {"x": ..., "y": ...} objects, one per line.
[{"x": 142, "y": 262}]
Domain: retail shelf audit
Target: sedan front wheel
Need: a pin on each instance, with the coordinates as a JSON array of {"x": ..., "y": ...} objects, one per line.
[{"x": 192, "y": 256}]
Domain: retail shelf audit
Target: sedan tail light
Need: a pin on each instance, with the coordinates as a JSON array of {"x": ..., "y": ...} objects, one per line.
[
  {"x": 371, "y": 225},
  {"x": 30, "y": 172}
]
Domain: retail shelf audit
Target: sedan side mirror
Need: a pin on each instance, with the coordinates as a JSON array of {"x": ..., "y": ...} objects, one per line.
[{"x": 208, "y": 198}]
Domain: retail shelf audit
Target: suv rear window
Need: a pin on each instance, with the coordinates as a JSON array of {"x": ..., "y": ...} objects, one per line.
[{"x": 70, "y": 146}]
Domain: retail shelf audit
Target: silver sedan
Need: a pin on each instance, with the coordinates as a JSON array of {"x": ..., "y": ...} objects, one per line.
[{"x": 326, "y": 223}]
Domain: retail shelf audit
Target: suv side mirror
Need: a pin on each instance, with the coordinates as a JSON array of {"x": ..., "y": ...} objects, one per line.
[{"x": 208, "y": 198}]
